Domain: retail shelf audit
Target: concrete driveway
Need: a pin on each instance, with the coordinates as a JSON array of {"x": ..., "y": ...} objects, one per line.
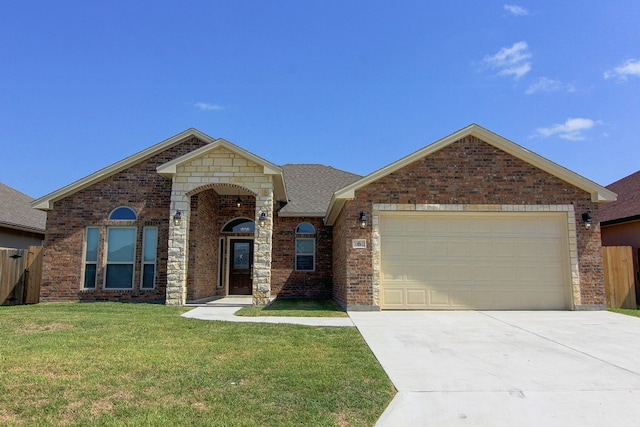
[{"x": 497, "y": 368}]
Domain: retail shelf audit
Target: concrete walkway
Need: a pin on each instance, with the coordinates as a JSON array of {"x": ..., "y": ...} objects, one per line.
[
  {"x": 469, "y": 368},
  {"x": 223, "y": 309}
]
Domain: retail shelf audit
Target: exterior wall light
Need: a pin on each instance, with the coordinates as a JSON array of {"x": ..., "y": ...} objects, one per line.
[
  {"x": 586, "y": 218},
  {"x": 363, "y": 220},
  {"x": 263, "y": 219},
  {"x": 177, "y": 217},
  {"x": 238, "y": 202}
]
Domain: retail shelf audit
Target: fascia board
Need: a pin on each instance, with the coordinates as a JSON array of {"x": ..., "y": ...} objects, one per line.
[
  {"x": 335, "y": 206},
  {"x": 46, "y": 202},
  {"x": 598, "y": 193},
  {"x": 169, "y": 169},
  {"x": 19, "y": 227}
]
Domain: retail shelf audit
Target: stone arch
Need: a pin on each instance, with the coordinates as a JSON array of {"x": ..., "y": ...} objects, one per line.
[
  {"x": 222, "y": 188},
  {"x": 240, "y": 177}
]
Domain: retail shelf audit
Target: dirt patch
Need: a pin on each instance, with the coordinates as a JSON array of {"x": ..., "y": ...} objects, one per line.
[
  {"x": 342, "y": 419},
  {"x": 101, "y": 407},
  {"x": 201, "y": 406},
  {"x": 32, "y": 328}
]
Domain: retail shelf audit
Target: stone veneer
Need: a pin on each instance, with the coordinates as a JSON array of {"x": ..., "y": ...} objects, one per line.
[{"x": 219, "y": 167}]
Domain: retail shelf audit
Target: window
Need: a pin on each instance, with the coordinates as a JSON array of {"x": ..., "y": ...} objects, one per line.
[
  {"x": 91, "y": 257},
  {"x": 149, "y": 250},
  {"x": 121, "y": 245},
  {"x": 123, "y": 214},
  {"x": 239, "y": 225},
  {"x": 305, "y": 247},
  {"x": 305, "y": 228}
]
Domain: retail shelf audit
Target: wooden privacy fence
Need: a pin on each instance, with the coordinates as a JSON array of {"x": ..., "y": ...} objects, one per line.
[
  {"x": 619, "y": 276},
  {"x": 20, "y": 275}
]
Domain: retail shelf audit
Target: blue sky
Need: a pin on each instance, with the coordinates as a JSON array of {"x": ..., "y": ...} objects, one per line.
[{"x": 351, "y": 84}]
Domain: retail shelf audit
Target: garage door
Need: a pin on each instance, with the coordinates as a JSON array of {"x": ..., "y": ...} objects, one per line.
[{"x": 474, "y": 261}]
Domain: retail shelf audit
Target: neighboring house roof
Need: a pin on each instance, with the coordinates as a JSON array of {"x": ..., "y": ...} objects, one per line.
[
  {"x": 598, "y": 193},
  {"x": 16, "y": 211},
  {"x": 627, "y": 207},
  {"x": 310, "y": 187}
]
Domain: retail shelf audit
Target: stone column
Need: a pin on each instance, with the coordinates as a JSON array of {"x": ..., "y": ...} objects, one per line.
[
  {"x": 178, "y": 251},
  {"x": 262, "y": 249}
]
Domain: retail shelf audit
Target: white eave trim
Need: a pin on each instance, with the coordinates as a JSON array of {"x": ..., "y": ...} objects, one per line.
[
  {"x": 46, "y": 202},
  {"x": 598, "y": 193},
  {"x": 169, "y": 169}
]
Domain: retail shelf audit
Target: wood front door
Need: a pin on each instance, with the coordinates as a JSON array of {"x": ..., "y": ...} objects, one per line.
[{"x": 241, "y": 267}]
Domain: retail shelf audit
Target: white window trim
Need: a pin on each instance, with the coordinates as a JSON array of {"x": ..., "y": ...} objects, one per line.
[
  {"x": 85, "y": 262},
  {"x": 143, "y": 262},
  {"x": 221, "y": 263},
  {"x": 106, "y": 260},
  {"x": 312, "y": 254}
]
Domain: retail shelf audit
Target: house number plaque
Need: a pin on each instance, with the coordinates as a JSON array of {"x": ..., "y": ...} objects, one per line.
[{"x": 359, "y": 243}]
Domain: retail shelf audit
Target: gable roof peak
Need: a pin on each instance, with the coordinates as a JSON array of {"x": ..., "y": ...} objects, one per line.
[
  {"x": 46, "y": 202},
  {"x": 598, "y": 193}
]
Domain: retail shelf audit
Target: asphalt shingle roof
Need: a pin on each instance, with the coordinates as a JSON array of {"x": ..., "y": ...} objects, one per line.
[
  {"x": 16, "y": 211},
  {"x": 310, "y": 187},
  {"x": 628, "y": 203}
]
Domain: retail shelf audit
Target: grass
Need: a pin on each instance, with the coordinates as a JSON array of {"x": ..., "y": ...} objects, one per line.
[
  {"x": 114, "y": 364},
  {"x": 295, "y": 308},
  {"x": 627, "y": 311}
]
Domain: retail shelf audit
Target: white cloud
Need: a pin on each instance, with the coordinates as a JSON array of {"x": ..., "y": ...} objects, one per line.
[
  {"x": 205, "y": 106},
  {"x": 516, "y": 10},
  {"x": 630, "y": 68},
  {"x": 571, "y": 129},
  {"x": 544, "y": 84},
  {"x": 512, "y": 60}
]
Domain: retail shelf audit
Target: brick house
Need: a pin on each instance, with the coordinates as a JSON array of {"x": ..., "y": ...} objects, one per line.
[
  {"x": 472, "y": 221},
  {"x": 620, "y": 220}
]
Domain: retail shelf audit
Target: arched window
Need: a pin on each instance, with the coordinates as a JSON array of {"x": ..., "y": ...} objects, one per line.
[
  {"x": 123, "y": 213},
  {"x": 305, "y": 247},
  {"x": 239, "y": 225},
  {"x": 305, "y": 228}
]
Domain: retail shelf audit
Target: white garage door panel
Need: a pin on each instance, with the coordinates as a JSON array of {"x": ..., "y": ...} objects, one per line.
[{"x": 475, "y": 261}]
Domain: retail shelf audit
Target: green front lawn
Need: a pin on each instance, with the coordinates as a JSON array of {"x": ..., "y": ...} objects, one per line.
[
  {"x": 627, "y": 311},
  {"x": 138, "y": 364},
  {"x": 295, "y": 308}
]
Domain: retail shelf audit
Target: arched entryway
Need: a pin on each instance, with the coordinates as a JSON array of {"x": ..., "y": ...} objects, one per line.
[
  {"x": 221, "y": 236},
  {"x": 229, "y": 172}
]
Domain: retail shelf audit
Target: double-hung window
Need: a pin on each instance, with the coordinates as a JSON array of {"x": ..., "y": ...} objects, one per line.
[
  {"x": 305, "y": 247},
  {"x": 91, "y": 257},
  {"x": 149, "y": 249}
]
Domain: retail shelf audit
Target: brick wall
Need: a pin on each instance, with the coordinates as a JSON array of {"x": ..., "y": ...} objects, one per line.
[
  {"x": 468, "y": 171},
  {"x": 202, "y": 276},
  {"x": 285, "y": 280},
  {"x": 138, "y": 187}
]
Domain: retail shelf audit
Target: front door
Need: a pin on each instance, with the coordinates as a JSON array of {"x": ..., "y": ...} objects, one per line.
[{"x": 241, "y": 268}]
